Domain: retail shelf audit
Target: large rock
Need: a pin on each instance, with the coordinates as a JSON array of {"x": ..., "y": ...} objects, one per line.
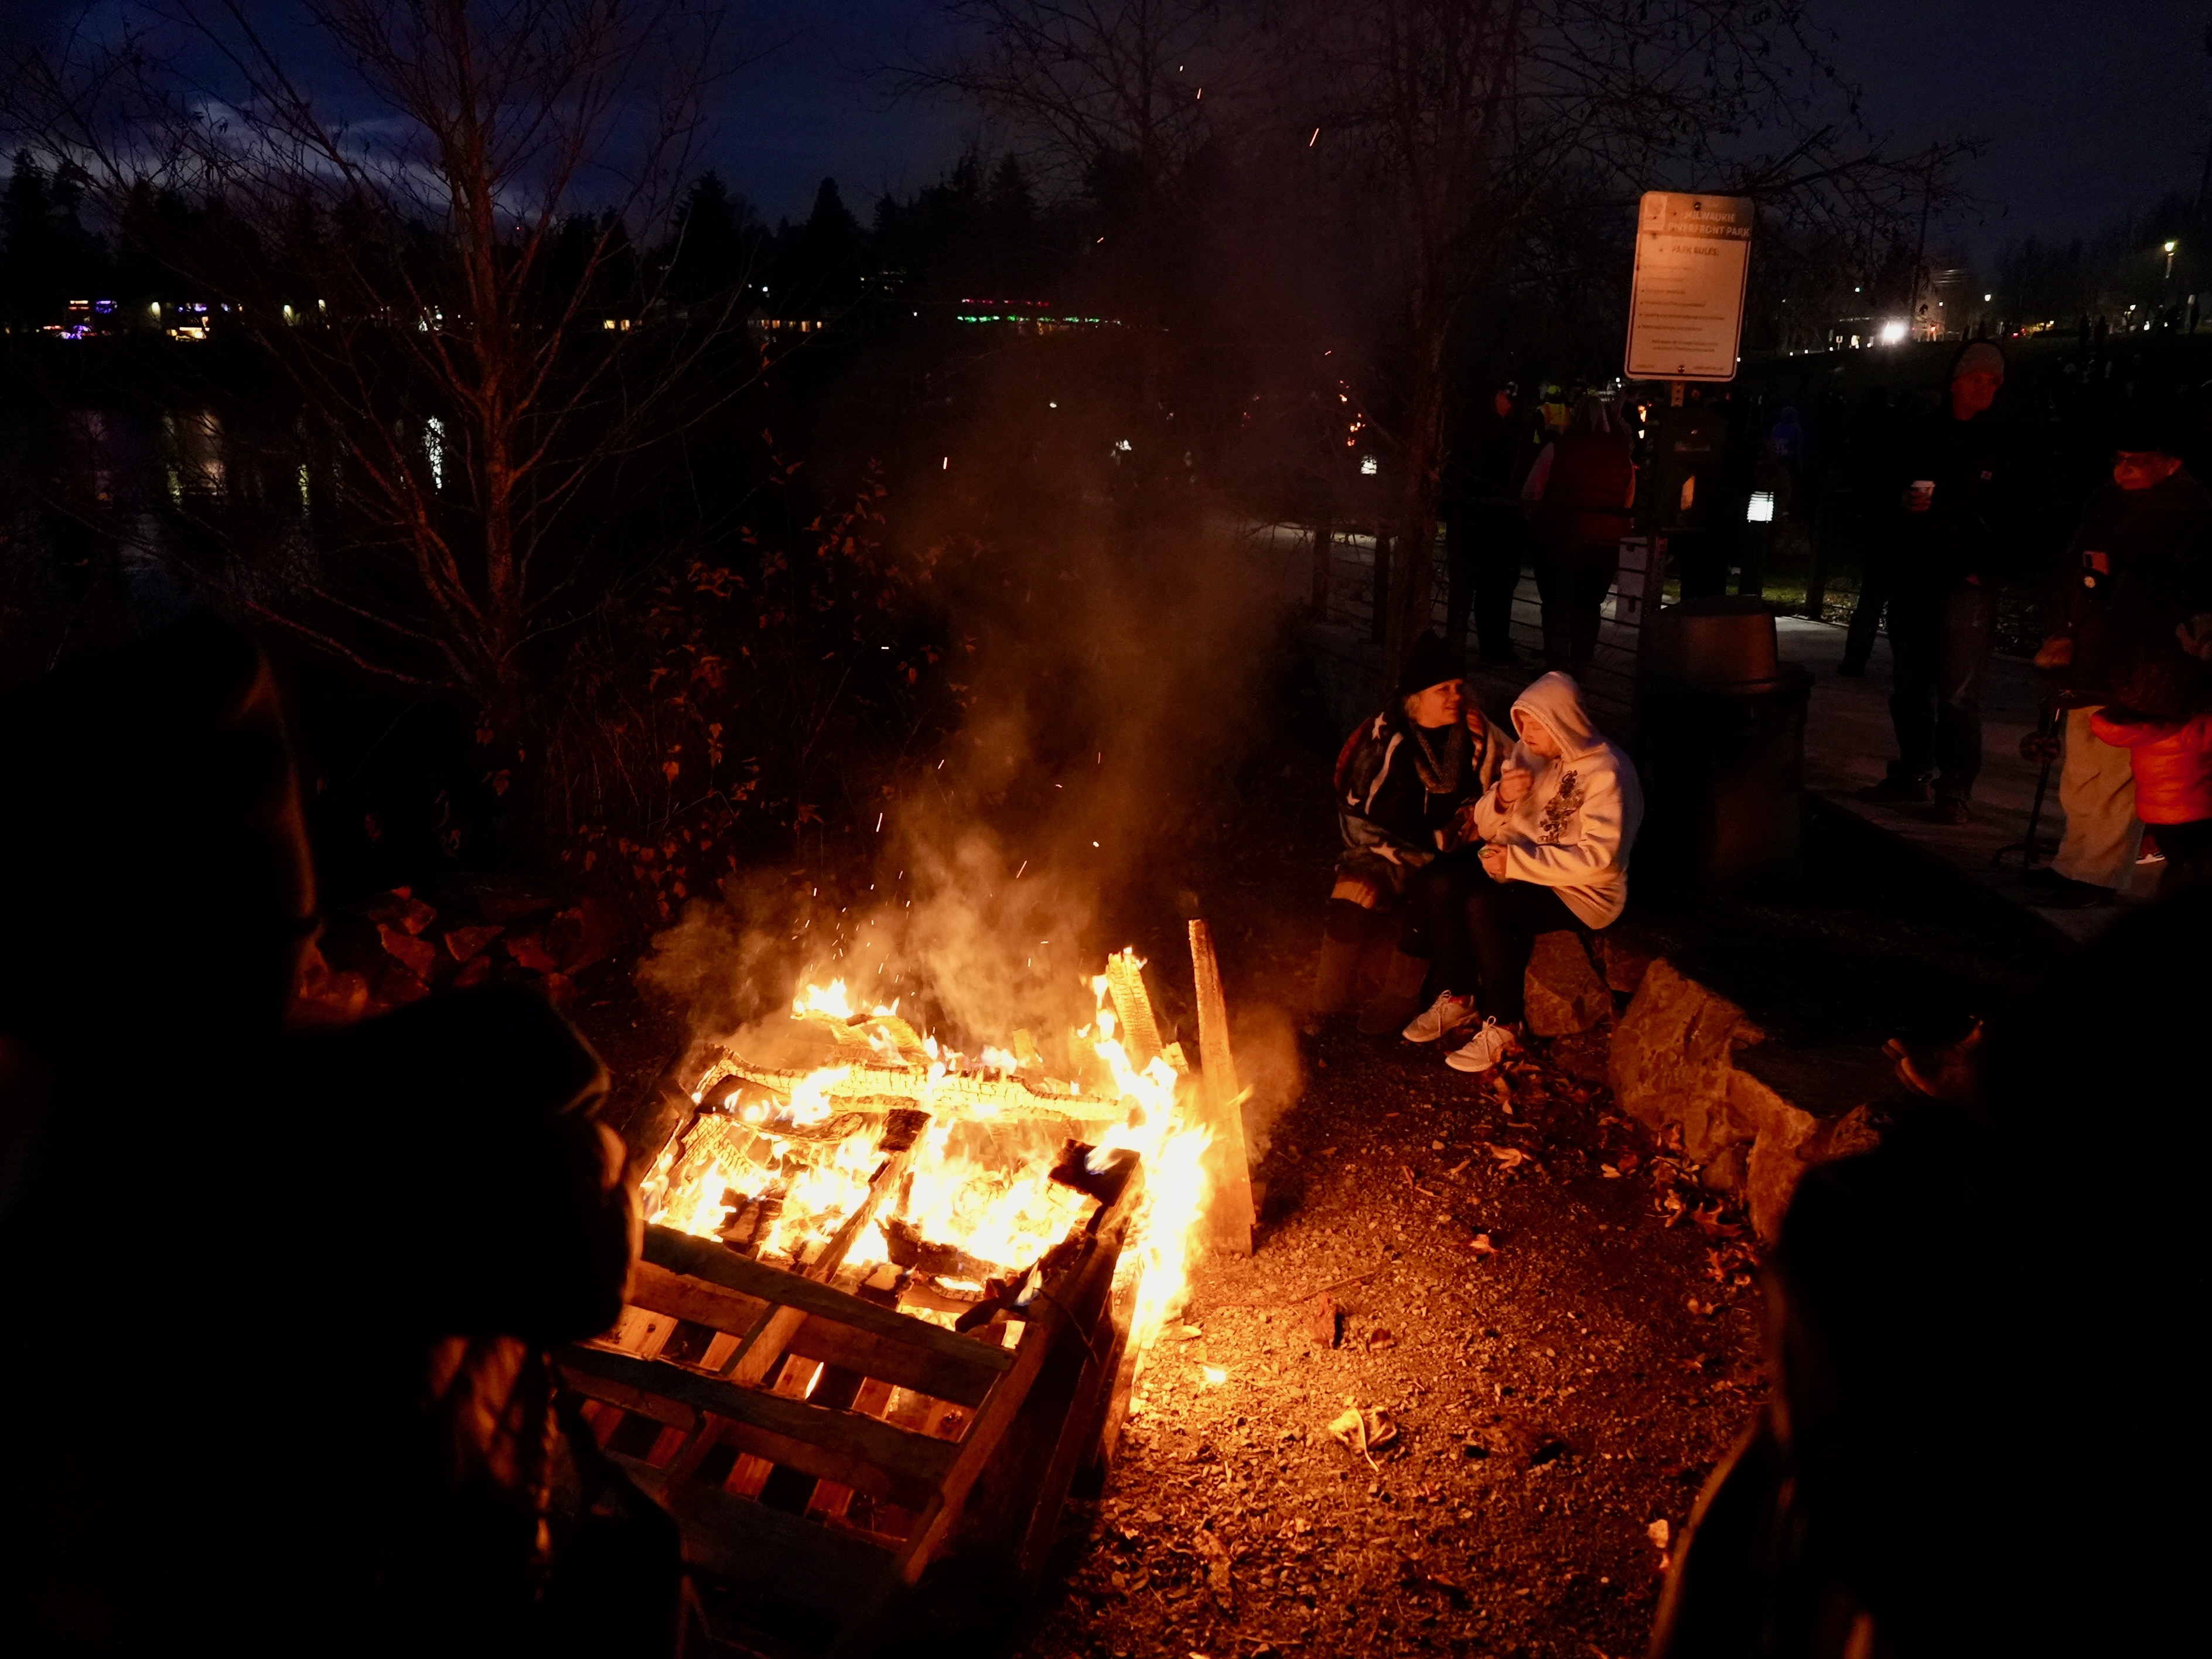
[
  {"x": 1563, "y": 992},
  {"x": 1756, "y": 1115},
  {"x": 1670, "y": 1061}
]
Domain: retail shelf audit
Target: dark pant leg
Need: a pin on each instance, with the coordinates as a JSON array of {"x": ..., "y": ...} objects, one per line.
[
  {"x": 1866, "y": 615},
  {"x": 1596, "y": 563},
  {"x": 1555, "y": 585},
  {"x": 1969, "y": 635},
  {"x": 1463, "y": 554},
  {"x": 1700, "y": 562},
  {"x": 1438, "y": 892},
  {"x": 2188, "y": 849},
  {"x": 1915, "y": 644},
  {"x": 1497, "y": 554},
  {"x": 1505, "y": 918}
]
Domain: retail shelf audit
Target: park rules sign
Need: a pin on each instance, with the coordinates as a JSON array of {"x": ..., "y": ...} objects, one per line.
[{"x": 1686, "y": 308}]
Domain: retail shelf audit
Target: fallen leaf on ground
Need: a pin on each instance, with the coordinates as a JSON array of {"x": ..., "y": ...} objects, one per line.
[
  {"x": 1609, "y": 1172},
  {"x": 1364, "y": 1430},
  {"x": 1709, "y": 1223},
  {"x": 1480, "y": 1245},
  {"x": 1458, "y": 1166},
  {"x": 1510, "y": 1156}
]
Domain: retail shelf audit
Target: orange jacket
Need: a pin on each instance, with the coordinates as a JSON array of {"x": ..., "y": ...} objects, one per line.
[{"x": 2172, "y": 761}]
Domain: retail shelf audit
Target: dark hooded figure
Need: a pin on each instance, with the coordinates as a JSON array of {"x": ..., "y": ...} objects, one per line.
[
  {"x": 1985, "y": 1433},
  {"x": 278, "y": 1303}
]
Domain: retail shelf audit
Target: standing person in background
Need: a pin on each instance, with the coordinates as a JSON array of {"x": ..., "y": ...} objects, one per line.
[
  {"x": 1582, "y": 489},
  {"x": 2132, "y": 575},
  {"x": 1484, "y": 530},
  {"x": 1953, "y": 479},
  {"x": 1870, "y": 441}
]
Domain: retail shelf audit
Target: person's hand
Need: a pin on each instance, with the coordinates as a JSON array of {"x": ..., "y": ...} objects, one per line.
[
  {"x": 2039, "y": 747},
  {"x": 1494, "y": 861},
  {"x": 2195, "y": 635},
  {"x": 1513, "y": 784},
  {"x": 2057, "y": 651}
]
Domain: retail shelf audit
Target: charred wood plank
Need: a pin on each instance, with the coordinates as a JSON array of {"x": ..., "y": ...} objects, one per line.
[{"x": 702, "y": 1258}]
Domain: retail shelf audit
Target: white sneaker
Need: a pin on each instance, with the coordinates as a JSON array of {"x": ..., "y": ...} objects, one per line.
[
  {"x": 1485, "y": 1048},
  {"x": 1447, "y": 1014}
]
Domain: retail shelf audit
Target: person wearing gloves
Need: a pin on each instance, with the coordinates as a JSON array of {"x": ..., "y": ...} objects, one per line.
[
  {"x": 1403, "y": 780},
  {"x": 1557, "y": 827}
]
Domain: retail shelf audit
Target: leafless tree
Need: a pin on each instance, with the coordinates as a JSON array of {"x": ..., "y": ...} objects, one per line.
[
  {"x": 437, "y": 197},
  {"x": 1488, "y": 125}
]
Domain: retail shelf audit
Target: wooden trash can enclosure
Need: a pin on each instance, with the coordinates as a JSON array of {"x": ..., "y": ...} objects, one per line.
[{"x": 827, "y": 1432}]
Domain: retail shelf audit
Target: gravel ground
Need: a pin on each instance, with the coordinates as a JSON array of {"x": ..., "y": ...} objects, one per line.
[{"x": 1563, "y": 1352}]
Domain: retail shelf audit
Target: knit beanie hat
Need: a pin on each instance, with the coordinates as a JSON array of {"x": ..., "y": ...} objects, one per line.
[
  {"x": 2154, "y": 420},
  {"x": 1979, "y": 357},
  {"x": 1429, "y": 662}
]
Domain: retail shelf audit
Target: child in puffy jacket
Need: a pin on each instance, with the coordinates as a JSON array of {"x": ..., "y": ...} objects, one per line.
[{"x": 2172, "y": 761}]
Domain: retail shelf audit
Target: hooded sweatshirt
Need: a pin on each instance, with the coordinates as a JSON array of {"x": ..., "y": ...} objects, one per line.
[{"x": 1573, "y": 830}]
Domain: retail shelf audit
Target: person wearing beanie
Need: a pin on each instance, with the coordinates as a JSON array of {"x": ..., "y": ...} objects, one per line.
[
  {"x": 1401, "y": 779},
  {"x": 1954, "y": 486},
  {"x": 2136, "y": 570}
]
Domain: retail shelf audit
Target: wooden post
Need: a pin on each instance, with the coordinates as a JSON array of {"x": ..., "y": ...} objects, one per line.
[{"x": 1229, "y": 1216}]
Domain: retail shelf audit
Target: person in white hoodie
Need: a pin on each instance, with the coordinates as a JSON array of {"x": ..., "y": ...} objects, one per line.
[{"x": 1558, "y": 826}]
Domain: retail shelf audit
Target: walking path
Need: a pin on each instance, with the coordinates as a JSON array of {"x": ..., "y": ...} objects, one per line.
[{"x": 1848, "y": 737}]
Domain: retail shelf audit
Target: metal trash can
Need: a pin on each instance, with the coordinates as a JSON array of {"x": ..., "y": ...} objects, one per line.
[{"x": 1721, "y": 735}]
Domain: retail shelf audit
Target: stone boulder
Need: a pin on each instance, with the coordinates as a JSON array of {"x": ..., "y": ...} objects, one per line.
[
  {"x": 1756, "y": 1115},
  {"x": 1563, "y": 992},
  {"x": 1671, "y": 1059}
]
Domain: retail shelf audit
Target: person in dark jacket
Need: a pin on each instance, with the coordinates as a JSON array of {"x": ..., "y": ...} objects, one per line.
[
  {"x": 335, "y": 1261},
  {"x": 1953, "y": 484},
  {"x": 1485, "y": 531},
  {"x": 2136, "y": 570},
  {"x": 1582, "y": 489},
  {"x": 1899, "y": 1494},
  {"x": 1400, "y": 780}
]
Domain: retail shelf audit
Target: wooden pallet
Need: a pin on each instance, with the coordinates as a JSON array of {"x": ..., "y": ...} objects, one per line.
[{"x": 820, "y": 1450}]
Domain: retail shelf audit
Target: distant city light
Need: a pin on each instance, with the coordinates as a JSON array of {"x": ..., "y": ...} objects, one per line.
[
  {"x": 1892, "y": 331},
  {"x": 1368, "y": 468},
  {"x": 1761, "y": 508},
  {"x": 2170, "y": 246}
]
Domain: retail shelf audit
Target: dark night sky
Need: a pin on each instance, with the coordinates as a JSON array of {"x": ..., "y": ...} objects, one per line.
[{"x": 2091, "y": 110}]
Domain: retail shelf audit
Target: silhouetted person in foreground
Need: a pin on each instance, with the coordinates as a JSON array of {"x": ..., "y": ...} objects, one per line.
[
  {"x": 1484, "y": 530},
  {"x": 278, "y": 1302},
  {"x": 1580, "y": 492},
  {"x": 1986, "y": 1431}
]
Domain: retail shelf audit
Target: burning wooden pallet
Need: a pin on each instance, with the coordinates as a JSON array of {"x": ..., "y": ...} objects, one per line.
[
  {"x": 825, "y": 1432},
  {"x": 820, "y": 1449}
]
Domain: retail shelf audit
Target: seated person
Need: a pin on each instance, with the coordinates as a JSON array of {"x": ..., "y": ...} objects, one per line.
[
  {"x": 1558, "y": 826},
  {"x": 1401, "y": 782}
]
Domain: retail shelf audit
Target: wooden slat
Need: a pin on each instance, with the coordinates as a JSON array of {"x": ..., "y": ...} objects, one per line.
[
  {"x": 907, "y": 1457},
  {"x": 703, "y": 1258},
  {"x": 777, "y": 1556},
  {"x": 837, "y": 1344},
  {"x": 656, "y": 1288},
  {"x": 1228, "y": 1211},
  {"x": 631, "y": 1399}
]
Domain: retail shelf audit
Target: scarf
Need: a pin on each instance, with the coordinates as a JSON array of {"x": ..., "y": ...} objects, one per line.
[{"x": 1445, "y": 773}]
